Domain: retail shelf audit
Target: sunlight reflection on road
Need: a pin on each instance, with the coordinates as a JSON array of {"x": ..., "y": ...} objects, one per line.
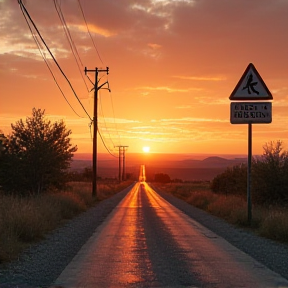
[
  {"x": 147, "y": 242},
  {"x": 116, "y": 256}
]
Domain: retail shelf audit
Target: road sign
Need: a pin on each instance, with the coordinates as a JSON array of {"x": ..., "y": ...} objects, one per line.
[
  {"x": 250, "y": 112},
  {"x": 251, "y": 86}
]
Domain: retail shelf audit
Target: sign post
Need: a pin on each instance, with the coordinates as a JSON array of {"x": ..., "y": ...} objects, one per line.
[
  {"x": 250, "y": 87},
  {"x": 249, "y": 201}
]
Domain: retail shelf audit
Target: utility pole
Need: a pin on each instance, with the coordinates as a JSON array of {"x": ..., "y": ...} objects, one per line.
[
  {"x": 123, "y": 175},
  {"x": 122, "y": 150},
  {"x": 95, "y": 125},
  {"x": 119, "y": 163}
]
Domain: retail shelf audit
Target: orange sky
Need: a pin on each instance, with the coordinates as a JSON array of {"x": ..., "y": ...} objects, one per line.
[{"x": 173, "y": 65}]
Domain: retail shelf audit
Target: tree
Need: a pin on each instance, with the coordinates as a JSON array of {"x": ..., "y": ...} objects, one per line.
[
  {"x": 3, "y": 139},
  {"x": 37, "y": 155},
  {"x": 232, "y": 181},
  {"x": 270, "y": 174},
  {"x": 162, "y": 178}
]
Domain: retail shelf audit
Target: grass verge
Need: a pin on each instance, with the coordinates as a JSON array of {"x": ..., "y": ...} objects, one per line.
[
  {"x": 270, "y": 222},
  {"x": 24, "y": 220}
]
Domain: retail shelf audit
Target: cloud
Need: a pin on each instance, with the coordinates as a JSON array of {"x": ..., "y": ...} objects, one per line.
[
  {"x": 97, "y": 30},
  {"x": 183, "y": 107},
  {"x": 170, "y": 49},
  {"x": 188, "y": 120},
  {"x": 154, "y": 46},
  {"x": 201, "y": 78},
  {"x": 119, "y": 120},
  {"x": 211, "y": 100},
  {"x": 168, "y": 89}
]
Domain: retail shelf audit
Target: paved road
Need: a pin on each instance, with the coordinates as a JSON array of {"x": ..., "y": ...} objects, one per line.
[{"x": 147, "y": 242}]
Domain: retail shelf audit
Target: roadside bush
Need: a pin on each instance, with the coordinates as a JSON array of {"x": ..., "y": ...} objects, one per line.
[
  {"x": 232, "y": 181},
  {"x": 162, "y": 178},
  {"x": 269, "y": 184},
  {"x": 270, "y": 175}
]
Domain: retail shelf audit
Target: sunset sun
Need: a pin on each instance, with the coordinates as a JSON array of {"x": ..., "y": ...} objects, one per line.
[{"x": 146, "y": 149}]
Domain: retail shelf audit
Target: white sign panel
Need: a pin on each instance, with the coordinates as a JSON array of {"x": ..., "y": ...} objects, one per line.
[{"x": 250, "y": 112}]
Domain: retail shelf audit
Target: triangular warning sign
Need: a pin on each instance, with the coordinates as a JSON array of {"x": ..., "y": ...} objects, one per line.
[{"x": 251, "y": 86}]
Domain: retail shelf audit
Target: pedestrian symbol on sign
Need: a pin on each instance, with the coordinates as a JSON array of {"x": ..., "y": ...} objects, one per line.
[{"x": 250, "y": 85}]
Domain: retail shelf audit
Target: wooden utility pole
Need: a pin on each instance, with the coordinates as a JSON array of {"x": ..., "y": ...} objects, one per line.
[
  {"x": 119, "y": 163},
  {"x": 123, "y": 175},
  {"x": 95, "y": 125},
  {"x": 122, "y": 150}
]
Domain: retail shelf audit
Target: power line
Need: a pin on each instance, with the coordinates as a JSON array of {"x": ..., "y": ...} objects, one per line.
[
  {"x": 105, "y": 124},
  {"x": 23, "y": 8},
  {"x": 116, "y": 127},
  {"x": 88, "y": 30},
  {"x": 46, "y": 62},
  {"x": 71, "y": 43},
  {"x": 74, "y": 50},
  {"x": 105, "y": 144}
]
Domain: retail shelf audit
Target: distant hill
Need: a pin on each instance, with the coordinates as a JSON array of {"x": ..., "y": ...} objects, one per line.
[
  {"x": 175, "y": 165},
  {"x": 214, "y": 162}
]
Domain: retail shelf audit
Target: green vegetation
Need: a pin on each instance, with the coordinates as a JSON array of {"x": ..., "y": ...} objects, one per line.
[
  {"x": 269, "y": 177},
  {"x": 35, "y": 195},
  {"x": 24, "y": 220},
  {"x": 36, "y": 156}
]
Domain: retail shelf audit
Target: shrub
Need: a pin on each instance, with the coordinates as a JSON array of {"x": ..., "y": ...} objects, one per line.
[
  {"x": 270, "y": 172},
  {"x": 162, "y": 178},
  {"x": 232, "y": 181},
  {"x": 269, "y": 184}
]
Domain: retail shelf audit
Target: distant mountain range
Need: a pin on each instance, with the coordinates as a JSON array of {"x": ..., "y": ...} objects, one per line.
[
  {"x": 175, "y": 165},
  {"x": 213, "y": 162}
]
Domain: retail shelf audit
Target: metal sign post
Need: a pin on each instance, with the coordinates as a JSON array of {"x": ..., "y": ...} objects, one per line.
[
  {"x": 250, "y": 87},
  {"x": 249, "y": 202}
]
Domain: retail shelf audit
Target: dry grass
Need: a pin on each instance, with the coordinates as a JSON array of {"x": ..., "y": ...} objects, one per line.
[
  {"x": 269, "y": 222},
  {"x": 26, "y": 220},
  {"x": 275, "y": 225},
  {"x": 201, "y": 199},
  {"x": 184, "y": 190}
]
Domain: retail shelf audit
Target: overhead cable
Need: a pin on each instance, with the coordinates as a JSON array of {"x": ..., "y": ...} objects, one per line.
[
  {"x": 88, "y": 30},
  {"x": 116, "y": 127},
  {"x": 23, "y": 8},
  {"x": 46, "y": 62},
  {"x": 105, "y": 145},
  {"x": 105, "y": 124},
  {"x": 71, "y": 43}
]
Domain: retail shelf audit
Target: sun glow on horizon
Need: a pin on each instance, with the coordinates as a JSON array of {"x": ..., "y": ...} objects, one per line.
[{"x": 146, "y": 149}]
